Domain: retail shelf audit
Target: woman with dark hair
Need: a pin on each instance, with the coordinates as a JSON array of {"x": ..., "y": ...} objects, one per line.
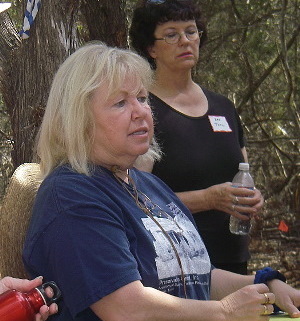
[
  {"x": 199, "y": 131},
  {"x": 145, "y": 21}
]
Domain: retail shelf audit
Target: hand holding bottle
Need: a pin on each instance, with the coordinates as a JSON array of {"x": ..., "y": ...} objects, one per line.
[
  {"x": 24, "y": 300},
  {"x": 246, "y": 201},
  {"x": 243, "y": 181},
  {"x": 223, "y": 197}
]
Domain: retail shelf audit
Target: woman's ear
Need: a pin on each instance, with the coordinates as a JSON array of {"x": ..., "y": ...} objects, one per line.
[{"x": 151, "y": 52}]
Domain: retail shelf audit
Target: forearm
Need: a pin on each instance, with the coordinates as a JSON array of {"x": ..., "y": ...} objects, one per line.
[
  {"x": 222, "y": 197},
  {"x": 225, "y": 282},
  {"x": 134, "y": 302},
  {"x": 196, "y": 201}
]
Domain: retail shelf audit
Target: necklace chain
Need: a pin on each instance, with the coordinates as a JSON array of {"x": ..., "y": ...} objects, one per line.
[{"x": 149, "y": 212}]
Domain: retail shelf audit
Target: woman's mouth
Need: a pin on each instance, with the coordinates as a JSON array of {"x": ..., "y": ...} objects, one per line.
[
  {"x": 139, "y": 132},
  {"x": 185, "y": 54}
]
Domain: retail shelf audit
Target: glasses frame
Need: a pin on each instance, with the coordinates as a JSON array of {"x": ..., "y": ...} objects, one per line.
[{"x": 200, "y": 33}]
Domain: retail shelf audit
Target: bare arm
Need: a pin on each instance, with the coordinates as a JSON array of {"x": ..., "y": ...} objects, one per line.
[
  {"x": 222, "y": 197},
  {"x": 134, "y": 302},
  {"x": 224, "y": 282},
  {"x": 234, "y": 296},
  {"x": 219, "y": 197}
]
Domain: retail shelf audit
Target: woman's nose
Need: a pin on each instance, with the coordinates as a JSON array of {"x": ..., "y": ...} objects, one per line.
[
  {"x": 139, "y": 109},
  {"x": 183, "y": 38}
]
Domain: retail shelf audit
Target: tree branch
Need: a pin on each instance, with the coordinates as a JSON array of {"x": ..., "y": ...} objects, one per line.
[{"x": 257, "y": 83}]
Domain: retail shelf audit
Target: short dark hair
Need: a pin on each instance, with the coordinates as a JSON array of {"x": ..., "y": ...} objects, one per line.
[{"x": 148, "y": 15}]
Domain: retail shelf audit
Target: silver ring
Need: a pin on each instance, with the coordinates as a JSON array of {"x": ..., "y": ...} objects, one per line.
[
  {"x": 236, "y": 200},
  {"x": 233, "y": 207}
]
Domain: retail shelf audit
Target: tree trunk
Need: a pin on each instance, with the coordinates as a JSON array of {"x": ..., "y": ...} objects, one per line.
[
  {"x": 27, "y": 66},
  {"x": 106, "y": 21}
]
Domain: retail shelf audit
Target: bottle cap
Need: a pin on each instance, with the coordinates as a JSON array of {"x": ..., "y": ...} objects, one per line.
[
  {"x": 244, "y": 166},
  {"x": 56, "y": 292}
]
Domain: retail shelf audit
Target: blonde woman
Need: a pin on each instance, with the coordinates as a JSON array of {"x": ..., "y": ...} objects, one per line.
[{"x": 117, "y": 241}]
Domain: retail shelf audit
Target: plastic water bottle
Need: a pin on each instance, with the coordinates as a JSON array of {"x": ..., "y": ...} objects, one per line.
[
  {"x": 20, "y": 306},
  {"x": 245, "y": 180}
]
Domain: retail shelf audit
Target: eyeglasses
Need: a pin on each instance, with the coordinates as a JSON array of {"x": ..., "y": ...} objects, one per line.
[{"x": 174, "y": 37}]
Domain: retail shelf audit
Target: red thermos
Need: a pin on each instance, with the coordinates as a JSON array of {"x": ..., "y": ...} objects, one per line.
[{"x": 19, "y": 306}]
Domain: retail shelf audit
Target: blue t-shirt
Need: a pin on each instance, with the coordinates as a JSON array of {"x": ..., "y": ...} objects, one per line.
[{"x": 89, "y": 236}]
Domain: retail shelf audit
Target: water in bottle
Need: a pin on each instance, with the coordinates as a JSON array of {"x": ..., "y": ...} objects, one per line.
[{"x": 241, "y": 179}]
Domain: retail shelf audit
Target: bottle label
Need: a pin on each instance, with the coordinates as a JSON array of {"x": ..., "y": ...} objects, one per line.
[{"x": 240, "y": 186}]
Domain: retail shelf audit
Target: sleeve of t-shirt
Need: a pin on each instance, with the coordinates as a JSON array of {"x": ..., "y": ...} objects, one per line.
[{"x": 86, "y": 244}]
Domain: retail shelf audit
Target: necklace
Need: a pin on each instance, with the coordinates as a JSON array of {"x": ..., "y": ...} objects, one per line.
[{"x": 147, "y": 207}]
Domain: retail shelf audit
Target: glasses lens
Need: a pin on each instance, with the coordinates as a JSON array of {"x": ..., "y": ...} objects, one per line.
[
  {"x": 175, "y": 37},
  {"x": 192, "y": 36},
  {"x": 172, "y": 38}
]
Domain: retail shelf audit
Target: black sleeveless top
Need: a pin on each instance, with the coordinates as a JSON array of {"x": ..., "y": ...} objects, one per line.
[{"x": 199, "y": 152}]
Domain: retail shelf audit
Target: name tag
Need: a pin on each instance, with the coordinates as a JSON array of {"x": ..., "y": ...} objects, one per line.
[{"x": 219, "y": 124}]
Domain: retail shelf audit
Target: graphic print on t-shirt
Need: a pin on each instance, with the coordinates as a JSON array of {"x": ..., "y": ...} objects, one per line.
[{"x": 189, "y": 245}]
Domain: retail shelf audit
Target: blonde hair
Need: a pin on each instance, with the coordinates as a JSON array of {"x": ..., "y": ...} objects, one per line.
[{"x": 64, "y": 136}]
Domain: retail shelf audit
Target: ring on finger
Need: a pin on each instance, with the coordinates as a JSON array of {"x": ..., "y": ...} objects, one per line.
[
  {"x": 265, "y": 310},
  {"x": 236, "y": 200},
  {"x": 267, "y": 301},
  {"x": 233, "y": 207}
]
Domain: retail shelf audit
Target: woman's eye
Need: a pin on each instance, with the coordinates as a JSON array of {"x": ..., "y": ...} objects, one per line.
[
  {"x": 191, "y": 32},
  {"x": 171, "y": 35},
  {"x": 120, "y": 103},
  {"x": 142, "y": 99}
]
